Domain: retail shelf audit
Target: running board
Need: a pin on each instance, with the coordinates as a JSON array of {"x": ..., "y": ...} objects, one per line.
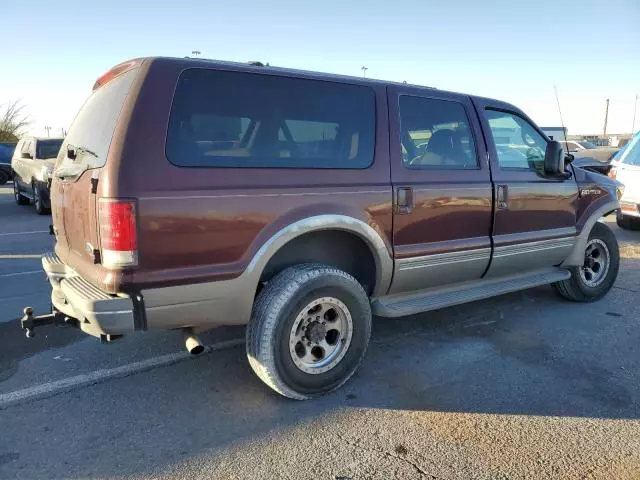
[{"x": 435, "y": 298}]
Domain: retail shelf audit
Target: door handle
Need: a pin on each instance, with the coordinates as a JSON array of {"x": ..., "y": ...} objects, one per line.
[
  {"x": 404, "y": 200},
  {"x": 502, "y": 197}
]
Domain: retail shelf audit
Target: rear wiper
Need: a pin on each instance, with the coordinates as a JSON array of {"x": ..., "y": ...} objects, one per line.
[{"x": 72, "y": 151}]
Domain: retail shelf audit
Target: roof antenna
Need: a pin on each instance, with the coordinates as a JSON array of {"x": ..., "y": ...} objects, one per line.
[{"x": 564, "y": 130}]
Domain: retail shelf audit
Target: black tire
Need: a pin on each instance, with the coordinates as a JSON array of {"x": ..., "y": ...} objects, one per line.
[
  {"x": 575, "y": 288},
  {"x": 627, "y": 222},
  {"x": 4, "y": 178},
  {"x": 37, "y": 201},
  {"x": 277, "y": 308},
  {"x": 18, "y": 197}
]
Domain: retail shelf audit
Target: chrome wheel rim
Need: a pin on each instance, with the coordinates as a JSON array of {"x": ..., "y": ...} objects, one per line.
[
  {"x": 320, "y": 335},
  {"x": 16, "y": 194},
  {"x": 596, "y": 263}
]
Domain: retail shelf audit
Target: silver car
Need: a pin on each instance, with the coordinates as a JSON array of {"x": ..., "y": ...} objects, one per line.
[{"x": 32, "y": 164}]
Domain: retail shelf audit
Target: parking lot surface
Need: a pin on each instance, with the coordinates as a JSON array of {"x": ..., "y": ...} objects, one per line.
[{"x": 521, "y": 386}]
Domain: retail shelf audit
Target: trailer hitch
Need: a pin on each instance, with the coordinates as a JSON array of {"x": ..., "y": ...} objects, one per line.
[{"x": 28, "y": 322}]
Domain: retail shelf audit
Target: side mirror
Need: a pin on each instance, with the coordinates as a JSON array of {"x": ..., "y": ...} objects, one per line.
[
  {"x": 554, "y": 159},
  {"x": 26, "y": 155}
]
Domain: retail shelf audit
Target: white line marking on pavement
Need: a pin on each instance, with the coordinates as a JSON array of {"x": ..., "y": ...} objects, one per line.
[
  {"x": 20, "y": 256},
  {"x": 21, "y": 273},
  {"x": 23, "y": 233},
  {"x": 67, "y": 384}
]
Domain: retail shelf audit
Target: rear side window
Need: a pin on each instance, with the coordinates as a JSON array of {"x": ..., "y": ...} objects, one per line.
[
  {"x": 96, "y": 121},
  {"x": 435, "y": 134},
  {"x": 230, "y": 119}
]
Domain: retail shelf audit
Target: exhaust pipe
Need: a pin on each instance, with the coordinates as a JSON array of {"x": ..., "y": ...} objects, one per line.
[{"x": 192, "y": 342}]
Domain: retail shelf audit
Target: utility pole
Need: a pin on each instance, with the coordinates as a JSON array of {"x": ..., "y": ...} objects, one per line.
[
  {"x": 63, "y": 132},
  {"x": 364, "y": 71},
  {"x": 635, "y": 106},
  {"x": 606, "y": 119},
  {"x": 48, "y": 129}
]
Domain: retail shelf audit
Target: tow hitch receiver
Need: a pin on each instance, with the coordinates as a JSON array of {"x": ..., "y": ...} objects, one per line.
[{"x": 28, "y": 322}]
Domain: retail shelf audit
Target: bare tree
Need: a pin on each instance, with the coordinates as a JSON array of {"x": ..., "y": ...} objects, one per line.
[{"x": 13, "y": 121}]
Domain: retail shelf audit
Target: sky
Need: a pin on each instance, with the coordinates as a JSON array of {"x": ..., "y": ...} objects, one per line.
[{"x": 514, "y": 50}]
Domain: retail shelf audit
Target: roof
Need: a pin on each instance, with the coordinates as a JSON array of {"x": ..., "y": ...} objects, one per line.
[{"x": 258, "y": 66}]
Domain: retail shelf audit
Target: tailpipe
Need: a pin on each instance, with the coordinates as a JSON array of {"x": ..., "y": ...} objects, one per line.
[{"x": 192, "y": 342}]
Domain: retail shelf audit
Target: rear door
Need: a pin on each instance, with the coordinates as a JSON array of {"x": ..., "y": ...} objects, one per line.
[
  {"x": 442, "y": 189},
  {"x": 80, "y": 161},
  {"x": 535, "y": 217}
]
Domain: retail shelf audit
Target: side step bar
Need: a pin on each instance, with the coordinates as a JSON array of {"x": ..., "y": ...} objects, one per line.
[{"x": 435, "y": 298}]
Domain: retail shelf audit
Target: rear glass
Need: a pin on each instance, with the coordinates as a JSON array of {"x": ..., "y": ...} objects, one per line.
[
  {"x": 48, "y": 148},
  {"x": 230, "y": 119},
  {"x": 96, "y": 121}
]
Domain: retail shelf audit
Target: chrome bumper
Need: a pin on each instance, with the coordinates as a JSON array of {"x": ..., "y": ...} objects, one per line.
[{"x": 98, "y": 313}]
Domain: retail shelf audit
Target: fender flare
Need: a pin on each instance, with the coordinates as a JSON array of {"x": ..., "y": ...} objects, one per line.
[
  {"x": 576, "y": 257},
  {"x": 379, "y": 250}
]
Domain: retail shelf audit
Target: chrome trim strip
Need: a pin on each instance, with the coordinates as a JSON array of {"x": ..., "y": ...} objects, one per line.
[
  {"x": 530, "y": 247},
  {"x": 437, "y": 259},
  {"x": 300, "y": 194}
]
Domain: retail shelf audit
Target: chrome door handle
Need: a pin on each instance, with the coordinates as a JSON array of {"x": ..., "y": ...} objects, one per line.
[
  {"x": 502, "y": 195},
  {"x": 404, "y": 200}
]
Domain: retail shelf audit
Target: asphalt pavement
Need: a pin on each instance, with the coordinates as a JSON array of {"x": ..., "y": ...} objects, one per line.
[{"x": 522, "y": 386}]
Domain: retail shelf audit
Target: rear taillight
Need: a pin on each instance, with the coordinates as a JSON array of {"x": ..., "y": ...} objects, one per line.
[
  {"x": 118, "y": 237},
  {"x": 115, "y": 71}
]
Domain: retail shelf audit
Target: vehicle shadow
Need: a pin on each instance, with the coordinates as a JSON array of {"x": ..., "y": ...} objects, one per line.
[{"x": 527, "y": 353}]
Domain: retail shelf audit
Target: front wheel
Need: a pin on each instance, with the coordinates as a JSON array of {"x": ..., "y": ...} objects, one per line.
[
  {"x": 309, "y": 331},
  {"x": 18, "y": 197},
  {"x": 599, "y": 271}
]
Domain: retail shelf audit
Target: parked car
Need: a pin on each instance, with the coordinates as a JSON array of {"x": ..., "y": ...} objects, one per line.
[
  {"x": 583, "y": 148},
  {"x": 32, "y": 163},
  {"x": 6, "y": 152},
  {"x": 302, "y": 203},
  {"x": 626, "y": 169}
]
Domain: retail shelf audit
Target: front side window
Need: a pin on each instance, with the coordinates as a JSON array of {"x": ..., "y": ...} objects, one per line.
[
  {"x": 46, "y": 149},
  {"x": 518, "y": 143},
  {"x": 231, "y": 119},
  {"x": 435, "y": 134}
]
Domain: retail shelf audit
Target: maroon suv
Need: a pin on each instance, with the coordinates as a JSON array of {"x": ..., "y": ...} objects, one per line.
[{"x": 191, "y": 194}]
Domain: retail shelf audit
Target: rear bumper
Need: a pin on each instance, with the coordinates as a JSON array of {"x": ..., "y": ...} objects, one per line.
[{"x": 98, "y": 313}]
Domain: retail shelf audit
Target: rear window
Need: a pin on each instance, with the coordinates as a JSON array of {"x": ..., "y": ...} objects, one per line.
[
  {"x": 96, "y": 121},
  {"x": 48, "y": 148},
  {"x": 230, "y": 119}
]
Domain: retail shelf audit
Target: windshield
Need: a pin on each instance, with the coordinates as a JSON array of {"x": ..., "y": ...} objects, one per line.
[
  {"x": 630, "y": 153},
  {"x": 96, "y": 121},
  {"x": 48, "y": 148},
  {"x": 587, "y": 145}
]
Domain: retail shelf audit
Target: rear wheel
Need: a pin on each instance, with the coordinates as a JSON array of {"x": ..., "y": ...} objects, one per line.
[
  {"x": 37, "y": 201},
  {"x": 19, "y": 198},
  {"x": 599, "y": 271},
  {"x": 309, "y": 331},
  {"x": 627, "y": 222}
]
